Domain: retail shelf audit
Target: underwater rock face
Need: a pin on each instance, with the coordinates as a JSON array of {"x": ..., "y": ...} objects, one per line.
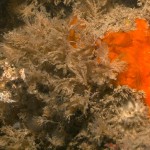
[
  {"x": 132, "y": 47},
  {"x": 62, "y": 85}
]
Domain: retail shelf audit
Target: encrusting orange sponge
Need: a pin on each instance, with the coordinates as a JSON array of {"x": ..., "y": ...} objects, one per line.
[{"x": 132, "y": 47}]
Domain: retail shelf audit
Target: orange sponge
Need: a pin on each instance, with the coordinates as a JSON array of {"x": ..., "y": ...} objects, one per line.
[{"x": 134, "y": 48}]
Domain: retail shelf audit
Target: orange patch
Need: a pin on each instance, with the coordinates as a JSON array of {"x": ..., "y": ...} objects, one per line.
[
  {"x": 76, "y": 26},
  {"x": 134, "y": 48}
]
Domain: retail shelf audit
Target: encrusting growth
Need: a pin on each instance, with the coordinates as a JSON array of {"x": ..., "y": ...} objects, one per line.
[{"x": 132, "y": 47}]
